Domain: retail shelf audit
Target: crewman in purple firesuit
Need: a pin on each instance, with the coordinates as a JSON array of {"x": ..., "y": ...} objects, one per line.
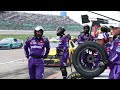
[
  {"x": 103, "y": 39},
  {"x": 84, "y": 36},
  {"x": 114, "y": 53},
  {"x": 103, "y": 36},
  {"x": 63, "y": 50},
  {"x": 35, "y": 53}
]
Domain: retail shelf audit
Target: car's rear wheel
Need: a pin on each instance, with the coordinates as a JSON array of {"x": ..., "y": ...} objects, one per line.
[{"x": 21, "y": 45}]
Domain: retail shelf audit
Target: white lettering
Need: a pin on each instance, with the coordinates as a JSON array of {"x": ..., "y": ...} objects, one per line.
[{"x": 36, "y": 47}]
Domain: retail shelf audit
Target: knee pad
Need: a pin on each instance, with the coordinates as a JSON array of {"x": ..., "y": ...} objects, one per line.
[{"x": 63, "y": 70}]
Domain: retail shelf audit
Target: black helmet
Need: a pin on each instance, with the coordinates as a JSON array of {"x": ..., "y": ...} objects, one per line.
[
  {"x": 104, "y": 28},
  {"x": 86, "y": 28},
  {"x": 111, "y": 27},
  {"x": 108, "y": 29},
  {"x": 38, "y": 28},
  {"x": 60, "y": 31}
]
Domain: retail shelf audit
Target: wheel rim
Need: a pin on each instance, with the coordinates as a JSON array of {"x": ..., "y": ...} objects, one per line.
[{"x": 89, "y": 62}]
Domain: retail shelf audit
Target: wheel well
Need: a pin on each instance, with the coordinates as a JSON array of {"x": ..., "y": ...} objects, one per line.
[{"x": 11, "y": 46}]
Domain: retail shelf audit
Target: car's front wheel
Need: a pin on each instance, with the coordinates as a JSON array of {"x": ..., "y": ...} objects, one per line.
[{"x": 11, "y": 46}]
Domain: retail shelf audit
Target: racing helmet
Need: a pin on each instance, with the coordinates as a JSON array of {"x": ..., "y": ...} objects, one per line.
[
  {"x": 86, "y": 28},
  {"x": 38, "y": 28},
  {"x": 104, "y": 28},
  {"x": 111, "y": 27},
  {"x": 60, "y": 31}
]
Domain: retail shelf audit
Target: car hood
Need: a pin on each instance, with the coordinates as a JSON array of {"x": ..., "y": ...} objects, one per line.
[{"x": 52, "y": 51}]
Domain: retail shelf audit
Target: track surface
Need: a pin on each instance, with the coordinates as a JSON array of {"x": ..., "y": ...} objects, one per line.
[{"x": 13, "y": 65}]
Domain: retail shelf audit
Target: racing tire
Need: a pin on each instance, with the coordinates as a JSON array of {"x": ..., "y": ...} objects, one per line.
[
  {"x": 90, "y": 73},
  {"x": 11, "y": 46},
  {"x": 75, "y": 75}
]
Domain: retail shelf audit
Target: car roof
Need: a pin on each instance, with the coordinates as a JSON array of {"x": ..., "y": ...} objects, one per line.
[{"x": 9, "y": 38}]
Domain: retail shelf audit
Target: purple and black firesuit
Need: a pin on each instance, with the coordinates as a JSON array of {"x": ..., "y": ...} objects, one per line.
[
  {"x": 83, "y": 37},
  {"x": 114, "y": 59},
  {"x": 35, "y": 51},
  {"x": 64, "y": 46},
  {"x": 64, "y": 49}
]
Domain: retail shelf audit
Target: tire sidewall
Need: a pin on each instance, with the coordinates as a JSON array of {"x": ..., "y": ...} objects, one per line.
[
  {"x": 21, "y": 45},
  {"x": 75, "y": 75}
]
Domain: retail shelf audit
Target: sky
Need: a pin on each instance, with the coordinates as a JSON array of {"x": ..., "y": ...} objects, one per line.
[{"x": 76, "y": 15}]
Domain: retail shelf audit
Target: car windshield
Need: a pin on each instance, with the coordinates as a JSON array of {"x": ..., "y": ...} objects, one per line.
[
  {"x": 6, "y": 40},
  {"x": 54, "y": 44}
]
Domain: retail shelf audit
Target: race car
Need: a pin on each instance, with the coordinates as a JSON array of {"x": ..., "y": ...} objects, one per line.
[
  {"x": 53, "y": 59},
  {"x": 10, "y": 43}
]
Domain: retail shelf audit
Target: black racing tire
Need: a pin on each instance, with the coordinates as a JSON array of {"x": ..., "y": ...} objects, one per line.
[
  {"x": 90, "y": 73},
  {"x": 75, "y": 75},
  {"x": 11, "y": 46}
]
